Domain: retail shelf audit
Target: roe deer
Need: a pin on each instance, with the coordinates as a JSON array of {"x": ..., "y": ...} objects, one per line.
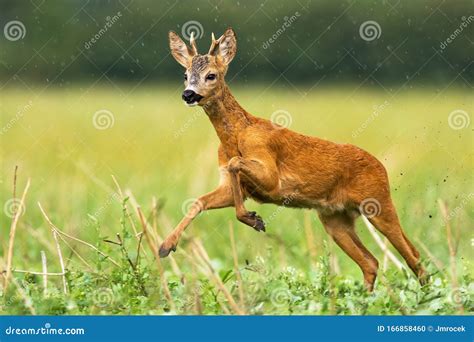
[{"x": 271, "y": 164}]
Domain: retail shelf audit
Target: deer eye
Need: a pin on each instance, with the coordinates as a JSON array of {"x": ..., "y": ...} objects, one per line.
[{"x": 211, "y": 77}]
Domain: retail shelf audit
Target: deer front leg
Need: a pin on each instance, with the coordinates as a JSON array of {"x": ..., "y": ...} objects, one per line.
[
  {"x": 263, "y": 176},
  {"x": 219, "y": 198}
]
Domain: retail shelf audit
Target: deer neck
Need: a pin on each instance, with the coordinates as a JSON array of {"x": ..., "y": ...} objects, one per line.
[{"x": 228, "y": 119}]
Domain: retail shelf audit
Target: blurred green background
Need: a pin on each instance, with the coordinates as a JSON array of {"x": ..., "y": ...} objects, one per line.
[
  {"x": 323, "y": 40},
  {"x": 399, "y": 90}
]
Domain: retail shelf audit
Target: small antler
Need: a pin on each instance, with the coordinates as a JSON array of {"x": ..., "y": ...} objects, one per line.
[
  {"x": 192, "y": 42},
  {"x": 214, "y": 43}
]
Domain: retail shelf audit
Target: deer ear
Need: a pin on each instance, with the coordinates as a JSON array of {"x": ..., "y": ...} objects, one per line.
[
  {"x": 180, "y": 51},
  {"x": 227, "y": 46}
]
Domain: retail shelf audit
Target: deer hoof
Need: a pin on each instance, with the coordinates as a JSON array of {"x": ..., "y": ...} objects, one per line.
[
  {"x": 259, "y": 225},
  {"x": 165, "y": 251}
]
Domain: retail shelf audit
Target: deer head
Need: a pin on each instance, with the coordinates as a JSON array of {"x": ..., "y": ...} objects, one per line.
[{"x": 204, "y": 75}]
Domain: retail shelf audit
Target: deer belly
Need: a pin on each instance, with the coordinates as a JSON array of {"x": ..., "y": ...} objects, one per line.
[
  {"x": 288, "y": 198},
  {"x": 250, "y": 190}
]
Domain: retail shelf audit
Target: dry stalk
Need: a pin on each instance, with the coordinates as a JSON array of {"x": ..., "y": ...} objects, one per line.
[
  {"x": 155, "y": 237},
  {"x": 44, "y": 263},
  {"x": 61, "y": 260},
  {"x": 61, "y": 233},
  {"x": 11, "y": 241},
  {"x": 382, "y": 245},
  {"x": 125, "y": 207},
  {"x": 385, "y": 256},
  {"x": 73, "y": 250},
  {"x": 161, "y": 271},
  {"x": 194, "y": 286},
  {"x": 438, "y": 263},
  {"x": 202, "y": 253},
  {"x": 333, "y": 269},
  {"x": 199, "y": 264},
  {"x": 310, "y": 239},
  {"x": 333, "y": 259},
  {"x": 452, "y": 250},
  {"x": 52, "y": 274},
  {"x": 238, "y": 275}
]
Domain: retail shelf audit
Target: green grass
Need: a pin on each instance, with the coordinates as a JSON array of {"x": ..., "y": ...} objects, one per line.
[{"x": 158, "y": 148}]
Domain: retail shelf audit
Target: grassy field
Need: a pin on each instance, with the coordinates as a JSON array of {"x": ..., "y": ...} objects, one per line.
[{"x": 163, "y": 154}]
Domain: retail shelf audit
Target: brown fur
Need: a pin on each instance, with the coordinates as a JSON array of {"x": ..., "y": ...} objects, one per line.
[{"x": 272, "y": 164}]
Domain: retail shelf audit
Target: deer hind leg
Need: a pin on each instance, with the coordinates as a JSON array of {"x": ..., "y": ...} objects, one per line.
[
  {"x": 386, "y": 221},
  {"x": 261, "y": 176},
  {"x": 219, "y": 198},
  {"x": 250, "y": 218},
  {"x": 341, "y": 228}
]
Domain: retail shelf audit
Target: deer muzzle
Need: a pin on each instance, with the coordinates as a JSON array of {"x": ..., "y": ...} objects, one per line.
[{"x": 191, "y": 97}]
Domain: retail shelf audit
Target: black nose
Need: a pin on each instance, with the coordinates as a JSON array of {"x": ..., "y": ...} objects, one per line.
[{"x": 188, "y": 95}]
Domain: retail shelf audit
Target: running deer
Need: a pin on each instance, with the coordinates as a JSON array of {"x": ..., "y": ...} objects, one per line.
[{"x": 272, "y": 164}]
